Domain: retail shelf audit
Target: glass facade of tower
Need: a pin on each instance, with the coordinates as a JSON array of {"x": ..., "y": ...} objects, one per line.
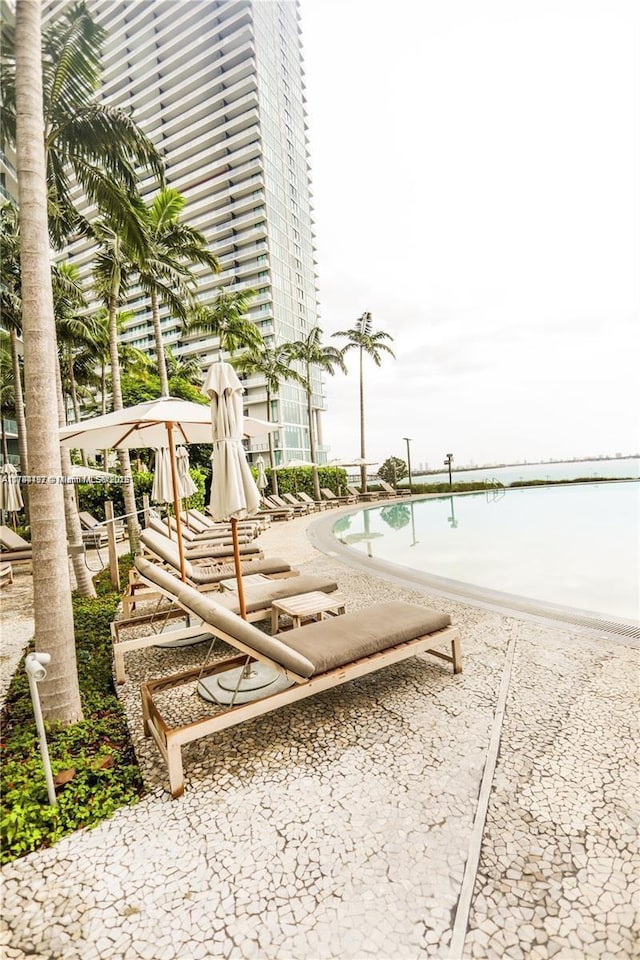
[{"x": 218, "y": 86}]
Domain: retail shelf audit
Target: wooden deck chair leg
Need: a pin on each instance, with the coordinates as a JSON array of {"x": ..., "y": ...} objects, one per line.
[
  {"x": 176, "y": 773},
  {"x": 456, "y": 655}
]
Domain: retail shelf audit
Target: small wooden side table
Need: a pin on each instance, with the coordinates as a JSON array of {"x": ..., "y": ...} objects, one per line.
[{"x": 304, "y": 606}]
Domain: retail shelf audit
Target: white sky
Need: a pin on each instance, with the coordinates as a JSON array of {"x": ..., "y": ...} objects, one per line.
[{"x": 476, "y": 169}]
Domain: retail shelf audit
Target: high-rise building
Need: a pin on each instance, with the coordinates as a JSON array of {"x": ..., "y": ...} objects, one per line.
[{"x": 218, "y": 87}]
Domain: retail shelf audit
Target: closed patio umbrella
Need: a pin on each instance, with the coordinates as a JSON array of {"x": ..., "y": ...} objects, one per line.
[
  {"x": 234, "y": 496},
  {"x": 10, "y": 494},
  {"x": 186, "y": 484},
  {"x": 261, "y": 482}
]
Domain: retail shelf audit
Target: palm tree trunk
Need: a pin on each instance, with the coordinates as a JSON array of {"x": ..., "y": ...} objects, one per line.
[
  {"x": 5, "y": 449},
  {"x": 103, "y": 388},
  {"x": 84, "y": 583},
  {"x": 157, "y": 333},
  {"x": 312, "y": 438},
  {"x": 75, "y": 404},
  {"x": 53, "y": 615},
  {"x": 272, "y": 455},
  {"x": 128, "y": 492},
  {"x": 363, "y": 469},
  {"x": 21, "y": 423}
]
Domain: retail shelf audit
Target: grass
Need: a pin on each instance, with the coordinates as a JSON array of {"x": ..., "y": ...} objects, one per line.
[{"x": 93, "y": 761}]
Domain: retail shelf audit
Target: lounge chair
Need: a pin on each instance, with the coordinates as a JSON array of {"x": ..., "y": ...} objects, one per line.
[
  {"x": 191, "y": 539},
  {"x": 276, "y": 513},
  {"x": 294, "y": 501},
  {"x": 197, "y": 522},
  {"x": 89, "y": 522},
  {"x": 299, "y": 508},
  {"x": 311, "y": 659},
  {"x": 258, "y": 601},
  {"x": 211, "y": 550},
  {"x": 250, "y": 527},
  {"x": 319, "y": 504},
  {"x": 336, "y": 500},
  {"x": 363, "y": 497},
  {"x": 200, "y": 574},
  {"x": 388, "y": 489},
  {"x": 13, "y": 547}
]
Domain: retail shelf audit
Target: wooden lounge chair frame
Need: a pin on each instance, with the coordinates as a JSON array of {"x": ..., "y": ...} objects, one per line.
[{"x": 170, "y": 739}]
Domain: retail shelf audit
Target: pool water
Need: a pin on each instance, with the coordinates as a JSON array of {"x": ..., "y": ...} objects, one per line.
[{"x": 576, "y": 545}]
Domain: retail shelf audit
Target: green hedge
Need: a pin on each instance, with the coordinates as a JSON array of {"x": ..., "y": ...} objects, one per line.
[
  {"x": 92, "y": 496},
  {"x": 97, "y": 753},
  {"x": 298, "y": 479}
]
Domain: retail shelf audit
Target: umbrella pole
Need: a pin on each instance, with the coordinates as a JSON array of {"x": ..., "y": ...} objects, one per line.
[
  {"x": 236, "y": 560},
  {"x": 176, "y": 500}
]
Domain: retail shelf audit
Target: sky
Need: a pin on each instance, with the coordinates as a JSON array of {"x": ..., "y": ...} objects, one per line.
[{"x": 475, "y": 168}]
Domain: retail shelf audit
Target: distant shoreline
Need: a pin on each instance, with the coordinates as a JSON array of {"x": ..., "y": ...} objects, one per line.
[{"x": 526, "y": 463}]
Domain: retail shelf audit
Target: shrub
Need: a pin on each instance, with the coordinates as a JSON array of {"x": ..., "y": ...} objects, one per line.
[{"x": 94, "y": 757}]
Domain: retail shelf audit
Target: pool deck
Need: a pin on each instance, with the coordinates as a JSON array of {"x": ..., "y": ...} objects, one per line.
[{"x": 410, "y": 814}]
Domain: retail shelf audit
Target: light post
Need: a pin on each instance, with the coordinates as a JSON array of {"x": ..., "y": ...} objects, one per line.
[
  {"x": 408, "y": 441},
  {"x": 363, "y": 326},
  {"x": 447, "y": 463}
]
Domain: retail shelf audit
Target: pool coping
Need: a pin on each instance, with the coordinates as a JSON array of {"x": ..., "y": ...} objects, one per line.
[{"x": 320, "y": 533}]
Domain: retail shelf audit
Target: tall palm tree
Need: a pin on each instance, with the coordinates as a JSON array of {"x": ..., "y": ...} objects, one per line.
[
  {"x": 362, "y": 338},
  {"x": 113, "y": 267},
  {"x": 274, "y": 365},
  {"x": 172, "y": 248},
  {"x": 310, "y": 352},
  {"x": 95, "y": 144},
  {"x": 67, "y": 300},
  {"x": 11, "y": 304},
  {"x": 7, "y": 390},
  {"x": 227, "y": 319},
  {"x": 53, "y": 617}
]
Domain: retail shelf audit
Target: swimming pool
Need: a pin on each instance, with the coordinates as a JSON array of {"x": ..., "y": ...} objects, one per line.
[{"x": 576, "y": 546}]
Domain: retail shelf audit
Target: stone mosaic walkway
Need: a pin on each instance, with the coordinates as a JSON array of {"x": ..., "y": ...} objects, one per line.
[{"x": 409, "y": 814}]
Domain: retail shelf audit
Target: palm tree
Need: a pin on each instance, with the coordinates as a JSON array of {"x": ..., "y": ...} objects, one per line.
[
  {"x": 97, "y": 145},
  {"x": 7, "y": 390},
  {"x": 172, "y": 248},
  {"x": 364, "y": 340},
  {"x": 311, "y": 353},
  {"x": 274, "y": 365},
  {"x": 185, "y": 368},
  {"x": 53, "y": 616},
  {"x": 67, "y": 300},
  {"x": 11, "y": 303},
  {"x": 112, "y": 269},
  {"x": 227, "y": 319}
]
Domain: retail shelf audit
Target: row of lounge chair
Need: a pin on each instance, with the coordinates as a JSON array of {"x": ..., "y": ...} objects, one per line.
[{"x": 307, "y": 659}]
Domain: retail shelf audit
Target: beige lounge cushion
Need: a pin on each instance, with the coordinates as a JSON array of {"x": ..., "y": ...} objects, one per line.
[
  {"x": 214, "y": 573},
  {"x": 339, "y": 640},
  {"x": 7, "y": 555},
  {"x": 214, "y": 551}
]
